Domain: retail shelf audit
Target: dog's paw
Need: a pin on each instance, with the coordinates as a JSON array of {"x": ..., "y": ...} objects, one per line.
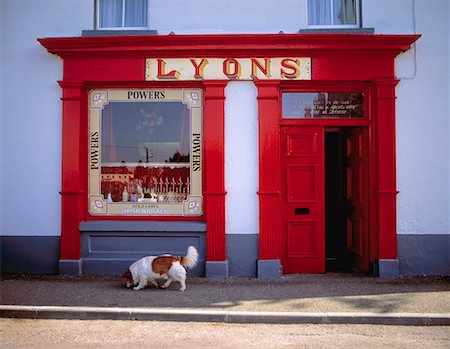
[{"x": 182, "y": 289}]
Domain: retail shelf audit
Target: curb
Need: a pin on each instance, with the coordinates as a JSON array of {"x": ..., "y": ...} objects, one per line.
[{"x": 186, "y": 315}]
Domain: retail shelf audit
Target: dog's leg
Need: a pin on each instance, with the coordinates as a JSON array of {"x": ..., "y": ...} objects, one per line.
[
  {"x": 154, "y": 283},
  {"x": 142, "y": 284},
  {"x": 167, "y": 283},
  {"x": 179, "y": 274},
  {"x": 183, "y": 285}
]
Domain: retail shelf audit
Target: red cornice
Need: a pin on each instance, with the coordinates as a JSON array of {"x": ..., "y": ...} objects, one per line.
[{"x": 235, "y": 45}]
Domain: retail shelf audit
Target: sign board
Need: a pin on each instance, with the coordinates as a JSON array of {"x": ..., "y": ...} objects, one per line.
[{"x": 194, "y": 69}]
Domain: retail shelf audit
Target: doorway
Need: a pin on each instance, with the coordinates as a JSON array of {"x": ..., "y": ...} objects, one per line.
[
  {"x": 325, "y": 199},
  {"x": 346, "y": 200},
  {"x": 337, "y": 256}
]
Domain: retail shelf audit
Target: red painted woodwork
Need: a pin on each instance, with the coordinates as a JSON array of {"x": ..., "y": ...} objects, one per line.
[
  {"x": 269, "y": 176},
  {"x": 73, "y": 169},
  {"x": 386, "y": 168},
  {"x": 303, "y": 197},
  {"x": 353, "y": 62},
  {"x": 357, "y": 197},
  {"x": 214, "y": 169}
]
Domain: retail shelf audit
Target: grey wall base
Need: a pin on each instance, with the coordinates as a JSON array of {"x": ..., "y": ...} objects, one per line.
[
  {"x": 388, "y": 268},
  {"x": 109, "y": 247},
  {"x": 424, "y": 254},
  {"x": 70, "y": 267},
  {"x": 29, "y": 254},
  {"x": 217, "y": 270},
  {"x": 269, "y": 269},
  {"x": 105, "y": 250},
  {"x": 242, "y": 254}
]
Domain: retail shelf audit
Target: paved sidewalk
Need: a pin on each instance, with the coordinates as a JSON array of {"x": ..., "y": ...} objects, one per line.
[{"x": 328, "y": 298}]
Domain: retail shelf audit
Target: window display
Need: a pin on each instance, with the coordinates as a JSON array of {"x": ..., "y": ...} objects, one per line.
[{"x": 145, "y": 152}]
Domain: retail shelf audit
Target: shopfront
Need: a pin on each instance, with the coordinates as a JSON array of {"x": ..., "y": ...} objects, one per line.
[{"x": 143, "y": 149}]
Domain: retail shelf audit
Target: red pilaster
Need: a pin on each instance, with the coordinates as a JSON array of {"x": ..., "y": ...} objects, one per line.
[
  {"x": 214, "y": 168},
  {"x": 73, "y": 159},
  {"x": 269, "y": 170},
  {"x": 386, "y": 172}
]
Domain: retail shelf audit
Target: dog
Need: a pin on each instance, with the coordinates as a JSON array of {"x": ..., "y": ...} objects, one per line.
[{"x": 150, "y": 268}]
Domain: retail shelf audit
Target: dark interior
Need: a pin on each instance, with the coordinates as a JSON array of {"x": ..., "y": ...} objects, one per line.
[{"x": 338, "y": 258}]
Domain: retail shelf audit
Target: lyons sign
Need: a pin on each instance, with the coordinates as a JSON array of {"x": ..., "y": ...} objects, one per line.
[{"x": 189, "y": 69}]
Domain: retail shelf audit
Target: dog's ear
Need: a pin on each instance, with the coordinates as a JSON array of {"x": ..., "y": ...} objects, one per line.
[{"x": 127, "y": 274}]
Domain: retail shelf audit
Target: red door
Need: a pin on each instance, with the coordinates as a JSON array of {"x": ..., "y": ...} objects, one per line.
[
  {"x": 303, "y": 188},
  {"x": 357, "y": 197}
]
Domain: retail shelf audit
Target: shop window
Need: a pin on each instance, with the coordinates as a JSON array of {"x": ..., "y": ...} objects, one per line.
[
  {"x": 333, "y": 13},
  {"x": 145, "y": 152},
  {"x": 122, "y": 14},
  {"x": 307, "y": 105}
]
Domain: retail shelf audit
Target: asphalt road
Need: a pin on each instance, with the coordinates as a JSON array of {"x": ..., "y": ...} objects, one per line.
[{"x": 80, "y": 334}]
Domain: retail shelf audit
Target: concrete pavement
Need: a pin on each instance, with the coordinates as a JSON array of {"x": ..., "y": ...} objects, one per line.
[{"x": 326, "y": 299}]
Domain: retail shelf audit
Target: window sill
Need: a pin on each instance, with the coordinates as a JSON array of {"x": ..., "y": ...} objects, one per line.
[
  {"x": 337, "y": 31},
  {"x": 125, "y": 32}
]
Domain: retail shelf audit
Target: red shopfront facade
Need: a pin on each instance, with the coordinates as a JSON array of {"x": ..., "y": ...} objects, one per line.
[{"x": 347, "y": 115}]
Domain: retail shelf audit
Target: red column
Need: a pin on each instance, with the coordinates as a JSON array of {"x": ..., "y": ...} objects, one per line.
[
  {"x": 269, "y": 170},
  {"x": 386, "y": 172},
  {"x": 73, "y": 174},
  {"x": 214, "y": 168}
]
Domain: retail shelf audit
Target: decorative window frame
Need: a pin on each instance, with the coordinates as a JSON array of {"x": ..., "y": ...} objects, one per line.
[{"x": 98, "y": 205}]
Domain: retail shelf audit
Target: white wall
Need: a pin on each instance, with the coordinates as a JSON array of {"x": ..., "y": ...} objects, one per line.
[
  {"x": 389, "y": 16},
  {"x": 31, "y": 112},
  {"x": 227, "y": 16},
  {"x": 241, "y": 158}
]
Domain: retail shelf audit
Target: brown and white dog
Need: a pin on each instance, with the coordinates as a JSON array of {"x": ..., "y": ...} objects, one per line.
[{"x": 148, "y": 269}]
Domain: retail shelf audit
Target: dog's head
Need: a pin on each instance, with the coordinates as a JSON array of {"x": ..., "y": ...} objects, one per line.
[{"x": 128, "y": 276}]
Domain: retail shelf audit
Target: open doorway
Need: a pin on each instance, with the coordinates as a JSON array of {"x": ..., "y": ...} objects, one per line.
[
  {"x": 337, "y": 256},
  {"x": 346, "y": 200}
]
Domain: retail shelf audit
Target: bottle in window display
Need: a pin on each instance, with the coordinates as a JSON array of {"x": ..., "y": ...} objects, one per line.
[
  {"x": 153, "y": 196},
  {"x": 125, "y": 193}
]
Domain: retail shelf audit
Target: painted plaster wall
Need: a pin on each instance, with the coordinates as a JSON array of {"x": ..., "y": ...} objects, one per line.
[
  {"x": 241, "y": 158},
  {"x": 30, "y": 149},
  {"x": 227, "y": 16},
  {"x": 31, "y": 112}
]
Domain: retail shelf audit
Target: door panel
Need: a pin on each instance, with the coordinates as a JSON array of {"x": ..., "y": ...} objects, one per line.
[
  {"x": 301, "y": 239},
  {"x": 357, "y": 197},
  {"x": 306, "y": 175},
  {"x": 303, "y": 247}
]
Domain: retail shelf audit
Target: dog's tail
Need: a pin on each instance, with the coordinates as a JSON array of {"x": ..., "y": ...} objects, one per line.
[{"x": 190, "y": 260}]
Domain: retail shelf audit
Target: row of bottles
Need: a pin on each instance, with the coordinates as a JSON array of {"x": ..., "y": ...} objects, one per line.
[{"x": 149, "y": 195}]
